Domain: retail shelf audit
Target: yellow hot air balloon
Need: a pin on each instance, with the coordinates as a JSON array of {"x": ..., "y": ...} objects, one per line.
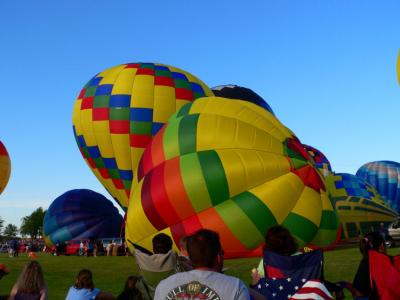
[
  {"x": 5, "y": 167},
  {"x": 398, "y": 68},
  {"x": 119, "y": 111},
  {"x": 230, "y": 166}
]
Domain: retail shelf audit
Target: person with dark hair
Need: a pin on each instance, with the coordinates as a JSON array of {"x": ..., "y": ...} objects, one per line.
[
  {"x": 130, "y": 291},
  {"x": 30, "y": 284},
  {"x": 205, "y": 281},
  {"x": 361, "y": 284},
  {"x": 280, "y": 241},
  {"x": 154, "y": 267},
  {"x": 83, "y": 289}
]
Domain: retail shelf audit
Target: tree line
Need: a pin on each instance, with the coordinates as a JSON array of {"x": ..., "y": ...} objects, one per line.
[{"x": 31, "y": 226}]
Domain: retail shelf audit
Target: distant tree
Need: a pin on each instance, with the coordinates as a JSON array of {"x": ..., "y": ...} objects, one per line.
[
  {"x": 32, "y": 224},
  {"x": 10, "y": 231},
  {"x": 1, "y": 225}
]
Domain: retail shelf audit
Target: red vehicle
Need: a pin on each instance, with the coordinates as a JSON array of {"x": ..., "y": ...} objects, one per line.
[{"x": 72, "y": 247}]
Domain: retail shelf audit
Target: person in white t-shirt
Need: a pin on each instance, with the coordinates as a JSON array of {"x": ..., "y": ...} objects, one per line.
[{"x": 205, "y": 281}]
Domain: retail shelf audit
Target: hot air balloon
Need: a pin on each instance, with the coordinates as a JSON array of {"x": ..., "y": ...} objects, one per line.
[
  {"x": 321, "y": 162},
  {"x": 5, "y": 167},
  {"x": 119, "y": 111},
  {"x": 81, "y": 214},
  {"x": 237, "y": 92},
  {"x": 360, "y": 207},
  {"x": 232, "y": 167},
  {"x": 398, "y": 68},
  {"x": 385, "y": 177}
]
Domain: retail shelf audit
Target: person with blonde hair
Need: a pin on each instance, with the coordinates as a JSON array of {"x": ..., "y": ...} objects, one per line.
[{"x": 30, "y": 284}]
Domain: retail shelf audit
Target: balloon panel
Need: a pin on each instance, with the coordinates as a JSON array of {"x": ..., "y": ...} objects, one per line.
[
  {"x": 385, "y": 177},
  {"x": 79, "y": 214},
  {"x": 360, "y": 208},
  {"x": 232, "y": 167},
  {"x": 119, "y": 111},
  {"x": 321, "y": 162},
  {"x": 242, "y": 93},
  {"x": 5, "y": 167}
]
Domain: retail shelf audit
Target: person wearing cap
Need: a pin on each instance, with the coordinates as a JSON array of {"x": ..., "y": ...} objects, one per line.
[{"x": 3, "y": 271}]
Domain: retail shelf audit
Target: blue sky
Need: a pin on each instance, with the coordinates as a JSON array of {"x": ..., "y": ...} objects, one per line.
[{"x": 328, "y": 70}]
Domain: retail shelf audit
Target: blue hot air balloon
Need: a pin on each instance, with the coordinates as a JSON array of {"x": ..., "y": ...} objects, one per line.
[
  {"x": 385, "y": 177},
  {"x": 81, "y": 214}
]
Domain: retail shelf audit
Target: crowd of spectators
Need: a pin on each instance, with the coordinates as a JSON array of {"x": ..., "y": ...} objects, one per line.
[{"x": 195, "y": 273}]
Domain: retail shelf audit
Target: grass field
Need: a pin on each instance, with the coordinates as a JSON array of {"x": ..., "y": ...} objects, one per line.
[{"x": 110, "y": 273}]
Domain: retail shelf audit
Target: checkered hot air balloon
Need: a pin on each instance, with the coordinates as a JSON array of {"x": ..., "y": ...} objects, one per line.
[
  {"x": 360, "y": 207},
  {"x": 385, "y": 177},
  {"x": 232, "y": 167},
  {"x": 5, "y": 167},
  {"x": 119, "y": 111},
  {"x": 81, "y": 214},
  {"x": 321, "y": 162}
]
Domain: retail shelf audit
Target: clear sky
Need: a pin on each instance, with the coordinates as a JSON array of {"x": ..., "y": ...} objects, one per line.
[{"x": 327, "y": 69}]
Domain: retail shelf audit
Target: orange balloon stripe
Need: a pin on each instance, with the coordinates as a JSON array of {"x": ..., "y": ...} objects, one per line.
[
  {"x": 157, "y": 148},
  {"x": 210, "y": 219},
  {"x": 159, "y": 197},
  {"x": 175, "y": 188}
]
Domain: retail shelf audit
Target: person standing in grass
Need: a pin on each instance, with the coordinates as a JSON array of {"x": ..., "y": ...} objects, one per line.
[{"x": 30, "y": 284}]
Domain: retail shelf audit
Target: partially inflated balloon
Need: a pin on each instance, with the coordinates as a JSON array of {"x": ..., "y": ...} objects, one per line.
[
  {"x": 321, "y": 162},
  {"x": 385, "y": 177},
  {"x": 5, "y": 167},
  {"x": 238, "y": 92},
  {"x": 119, "y": 111},
  {"x": 232, "y": 167},
  {"x": 359, "y": 205},
  {"x": 81, "y": 214}
]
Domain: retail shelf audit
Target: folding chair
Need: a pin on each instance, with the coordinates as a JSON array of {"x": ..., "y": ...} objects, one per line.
[
  {"x": 384, "y": 272},
  {"x": 286, "y": 275}
]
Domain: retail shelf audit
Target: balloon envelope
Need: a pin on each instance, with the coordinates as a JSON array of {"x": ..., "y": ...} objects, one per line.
[
  {"x": 232, "y": 167},
  {"x": 360, "y": 207},
  {"x": 321, "y": 162},
  {"x": 119, "y": 111},
  {"x": 5, "y": 167},
  {"x": 81, "y": 214},
  {"x": 241, "y": 93},
  {"x": 385, "y": 177}
]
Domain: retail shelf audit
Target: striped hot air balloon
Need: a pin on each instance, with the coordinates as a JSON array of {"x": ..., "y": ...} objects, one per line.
[
  {"x": 230, "y": 166},
  {"x": 119, "y": 111},
  {"x": 385, "y": 177},
  {"x": 321, "y": 162}
]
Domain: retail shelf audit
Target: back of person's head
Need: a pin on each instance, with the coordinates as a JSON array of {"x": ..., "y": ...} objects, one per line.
[
  {"x": 130, "y": 291},
  {"x": 204, "y": 247},
  {"x": 31, "y": 280},
  {"x": 162, "y": 243},
  {"x": 372, "y": 241},
  {"x": 280, "y": 241},
  {"x": 84, "y": 280}
]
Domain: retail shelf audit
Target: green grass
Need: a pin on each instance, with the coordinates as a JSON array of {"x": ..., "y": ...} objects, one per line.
[{"x": 110, "y": 273}]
